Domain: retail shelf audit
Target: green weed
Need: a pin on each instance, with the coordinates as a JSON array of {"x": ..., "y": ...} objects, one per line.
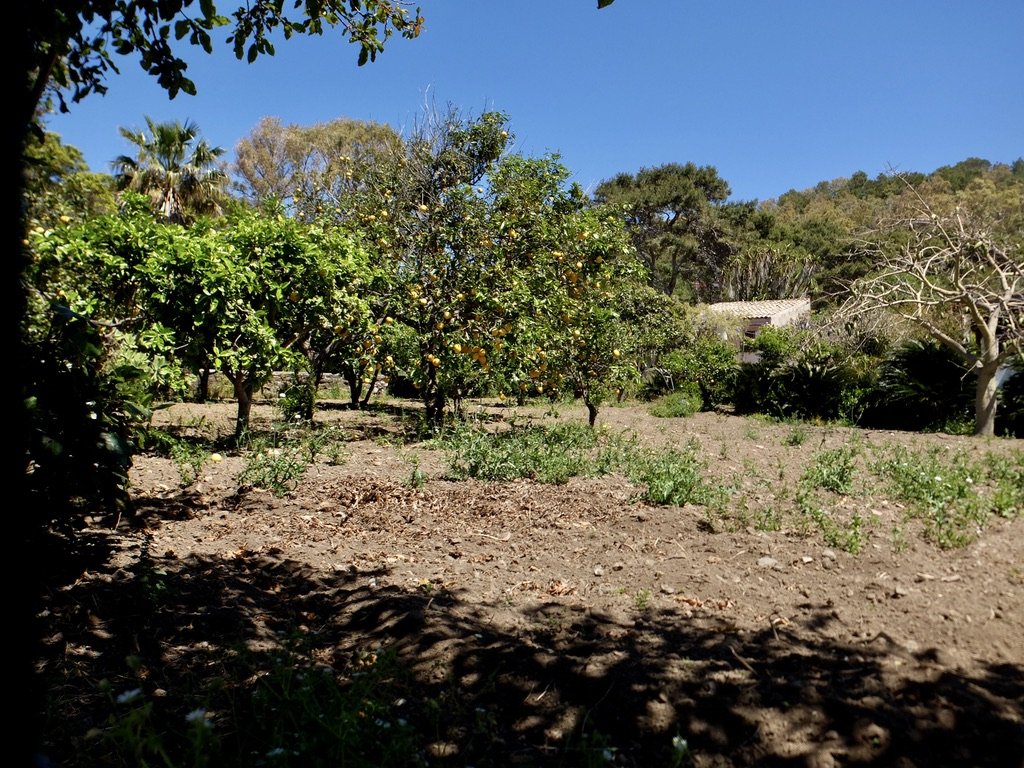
[
  {"x": 833, "y": 470},
  {"x": 940, "y": 490},
  {"x": 275, "y": 466},
  {"x": 188, "y": 454},
  {"x": 189, "y": 458},
  {"x": 290, "y": 711},
  {"x": 642, "y": 600},
  {"x": 797, "y": 436},
  {"x": 550, "y": 454},
  {"x": 674, "y": 477},
  {"x": 416, "y": 477},
  {"x": 849, "y": 537}
]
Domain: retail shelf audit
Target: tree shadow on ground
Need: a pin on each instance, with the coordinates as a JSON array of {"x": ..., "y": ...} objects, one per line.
[{"x": 489, "y": 685}]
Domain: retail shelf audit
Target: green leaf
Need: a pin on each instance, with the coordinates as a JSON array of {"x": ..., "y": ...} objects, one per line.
[
  {"x": 208, "y": 8},
  {"x": 180, "y": 28},
  {"x": 604, "y": 3}
]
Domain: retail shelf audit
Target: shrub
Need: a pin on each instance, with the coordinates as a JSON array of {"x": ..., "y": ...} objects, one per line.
[
  {"x": 758, "y": 388},
  {"x": 820, "y": 381},
  {"x": 824, "y": 382},
  {"x": 296, "y": 399},
  {"x": 709, "y": 363},
  {"x": 1010, "y": 416},
  {"x": 87, "y": 405},
  {"x": 684, "y": 401},
  {"x": 922, "y": 386}
]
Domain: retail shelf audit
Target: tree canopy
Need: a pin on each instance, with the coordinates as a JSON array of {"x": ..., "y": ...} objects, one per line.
[
  {"x": 309, "y": 168},
  {"x": 175, "y": 167},
  {"x": 671, "y": 215}
]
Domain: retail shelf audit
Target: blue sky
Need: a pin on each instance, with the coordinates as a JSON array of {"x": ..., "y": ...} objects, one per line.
[{"x": 776, "y": 94}]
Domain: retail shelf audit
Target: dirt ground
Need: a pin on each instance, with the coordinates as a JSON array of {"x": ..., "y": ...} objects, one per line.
[{"x": 569, "y": 612}]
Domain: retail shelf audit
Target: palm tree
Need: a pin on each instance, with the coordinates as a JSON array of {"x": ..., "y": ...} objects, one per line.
[{"x": 176, "y": 168}]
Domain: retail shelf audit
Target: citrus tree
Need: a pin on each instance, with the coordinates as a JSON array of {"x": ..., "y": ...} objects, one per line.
[
  {"x": 423, "y": 210},
  {"x": 289, "y": 303},
  {"x": 330, "y": 319},
  {"x": 558, "y": 264},
  {"x": 587, "y": 352},
  {"x": 97, "y": 353},
  {"x": 490, "y": 253},
  {"x": 59, "y": 188}
]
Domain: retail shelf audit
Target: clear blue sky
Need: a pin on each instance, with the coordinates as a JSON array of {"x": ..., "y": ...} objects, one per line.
[{"x": 776, "y": 94}]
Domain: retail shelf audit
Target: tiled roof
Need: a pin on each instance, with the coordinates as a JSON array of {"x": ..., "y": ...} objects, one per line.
[{"x": 751, "y": 309}]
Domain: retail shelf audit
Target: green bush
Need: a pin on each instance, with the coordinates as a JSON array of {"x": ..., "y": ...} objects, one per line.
[
  {"x": 709, "y": 363},
  {"x": 684, "y": 401},
  {"x": 87, "y": 405},
  {"x": 1010, "y": 415},
  {"x": 820, "y": 381},
  {"x": 758, "y": 387},
  {"x": 825, "y": 382},
  {"x": 775, "y": 346},
  {"x": 296, "y": 399},
  {"x": 922, "y": 386}
]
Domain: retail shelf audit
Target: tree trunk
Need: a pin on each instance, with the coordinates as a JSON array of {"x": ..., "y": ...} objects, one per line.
[
  {"x": 204, "y": 383},
  {"x": 369, "y": 390},
  {"x": 308, "y": 383},
  {"x": 434, "y": 402},
  {"x": 243, "y": 393},
  {"x": 985, "y": 399},
  {"x": 355, "y": 387},
  {"x": 591, "y": 413}
]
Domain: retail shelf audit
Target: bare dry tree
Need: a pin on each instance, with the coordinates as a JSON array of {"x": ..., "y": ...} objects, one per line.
[{"x": 957, "y": 274}]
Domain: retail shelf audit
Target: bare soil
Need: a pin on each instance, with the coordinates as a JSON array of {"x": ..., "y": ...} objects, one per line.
[{"x": 566, "y": 612}]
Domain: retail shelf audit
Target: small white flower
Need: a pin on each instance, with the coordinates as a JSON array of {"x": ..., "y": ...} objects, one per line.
[
  {"x": 129, "y": 696},
  {"x": 970, "y": 481},
  {"x": 938, "y": 478},
  {"x": 680, "y": 745},
  {"x": 608, "y": 754},
  {"x": 196, "y": 716}
]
